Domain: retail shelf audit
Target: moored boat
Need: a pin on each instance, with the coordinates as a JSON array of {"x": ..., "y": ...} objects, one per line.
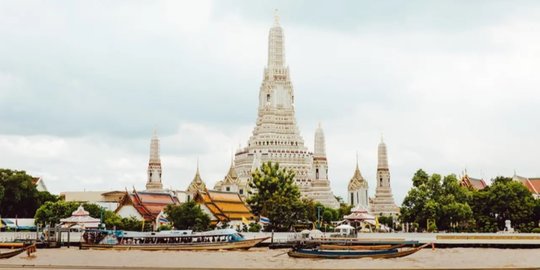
[
  {"x": 352, "y": 254},
  {"x": 31, "y": 248},
  {"x": 226, "y": 239}
]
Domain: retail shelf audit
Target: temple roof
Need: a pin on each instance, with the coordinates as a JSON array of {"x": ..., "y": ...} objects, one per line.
[
  {"x": 532, "y": 184},
  {"x": 197, "y": 184},
  {"x": 81, "y": 217},
  {"x": 232, "y": 177},
  {"x": 148, "y": 204},
  {"x": 359, "y": 213},
  {"x": 225, "y": 206},
  {"x": 474, "y": 183},
  {"x": 357, "y": 181}
]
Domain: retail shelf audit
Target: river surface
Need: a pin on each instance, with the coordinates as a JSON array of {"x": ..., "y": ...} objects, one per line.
[{"x": 264, "y": 258}]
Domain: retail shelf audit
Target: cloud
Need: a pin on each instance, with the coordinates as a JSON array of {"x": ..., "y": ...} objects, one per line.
[{"x": 82, "y": 85}]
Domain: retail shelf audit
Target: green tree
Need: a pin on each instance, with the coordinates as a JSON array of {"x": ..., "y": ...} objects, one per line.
[
  {"x": 189, "y": 215},
  {"x": 443, "y": 204},
  {"x": 277, "y": 196},
  {"x": 50, "y": 213},
  {"x": 504, "y": 200},
  {"x": 19, "y": 196}
]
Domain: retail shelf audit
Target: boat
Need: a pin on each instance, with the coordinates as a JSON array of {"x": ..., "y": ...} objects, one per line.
[
  {"x": 352, "y": 254},
  {"x": 29, "y": 250},
  {"x": 226, "y": 239},
  {"x": 362, "y": 247}
]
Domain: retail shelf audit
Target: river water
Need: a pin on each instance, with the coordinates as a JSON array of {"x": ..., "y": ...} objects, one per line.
[{"x": 264, "y": 258}]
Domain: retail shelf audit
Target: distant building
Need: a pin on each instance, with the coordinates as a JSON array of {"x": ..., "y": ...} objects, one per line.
[
  {"x": 231, "y": 183},
  {"x": 472, "y": 183},
  {"x": 106, "y": 199},
  {"x": 146, "y": 205},
  {"x": 532, "y": 184},
  {"x": 40, "y": 184},
  {"x": 224, "y": 207},
  {"x": 196, "y": 185},
  {"x": 383, "y": 203},
  {"x": 358, "y": 190}
]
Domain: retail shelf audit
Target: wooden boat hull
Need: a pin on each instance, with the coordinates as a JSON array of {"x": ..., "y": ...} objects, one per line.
[
  {"x": 245, "y": 244},
  {"x": 29, "y": 249},
  {"x": 344, "y": 254},
  {"x": 357, "y": 247}
]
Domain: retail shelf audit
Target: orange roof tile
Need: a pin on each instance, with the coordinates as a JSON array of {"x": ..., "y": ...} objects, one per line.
[{"x": 224, "y": 205}]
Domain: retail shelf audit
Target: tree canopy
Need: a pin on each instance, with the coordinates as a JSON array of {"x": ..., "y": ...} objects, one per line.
[
  {"x": 443, "y": 204},
  {"x": 432, "y": 204},
  {"x": 188, "y": 215},
  {"x": 19, "y": 196},
  {"x": 277, "y": 196}
]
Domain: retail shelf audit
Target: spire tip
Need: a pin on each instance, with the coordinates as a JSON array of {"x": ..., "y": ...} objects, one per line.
[{"x": 276, "y": 17}]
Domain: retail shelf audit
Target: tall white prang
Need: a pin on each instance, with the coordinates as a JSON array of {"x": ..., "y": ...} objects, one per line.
[
  {"x": 383, "y": 203},
  {"x": 154, "y": 165},
  {"x": 276, "y": 136}
]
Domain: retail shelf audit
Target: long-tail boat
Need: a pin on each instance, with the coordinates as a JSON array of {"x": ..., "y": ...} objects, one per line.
[
  {"x": 226, "y": 239},
  {"x": 31, "y": 248},
  {"x": 301, "y": 252}
]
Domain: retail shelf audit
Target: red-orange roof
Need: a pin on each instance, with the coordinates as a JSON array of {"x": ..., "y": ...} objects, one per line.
[
  {"x": 149, "y": 204},
  {"x": 473, "y": 183}
]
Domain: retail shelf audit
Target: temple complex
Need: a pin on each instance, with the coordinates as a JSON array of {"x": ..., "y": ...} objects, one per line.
[
  {"x": 383, "y": 203},
  {"x": 276, "y": 136}
]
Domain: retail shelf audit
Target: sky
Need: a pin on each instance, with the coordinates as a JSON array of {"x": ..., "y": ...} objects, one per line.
[{"x": 451, "y": 85}]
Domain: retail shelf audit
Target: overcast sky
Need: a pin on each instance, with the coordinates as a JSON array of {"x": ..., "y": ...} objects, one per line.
[{"x": 452, "y": 85}]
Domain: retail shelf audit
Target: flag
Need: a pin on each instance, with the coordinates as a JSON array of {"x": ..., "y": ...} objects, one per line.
[
  {"x": 264, "y": 220},
  {"x": 245, "y": 221}
]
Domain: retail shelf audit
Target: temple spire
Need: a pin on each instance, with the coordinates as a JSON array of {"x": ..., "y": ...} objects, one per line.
[
  {"x": 154, "y": 165},
  {"x": 382, "y": 156},
  {"x": 276, "y": 17},
  {"x": 276, "y": 49},
  {"x": 320, "y": 144}
]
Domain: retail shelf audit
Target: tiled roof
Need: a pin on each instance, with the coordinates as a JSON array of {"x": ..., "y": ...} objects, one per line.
[
  {"x": 474, "y": 183},
  {"x": 225, "y": 206},
  {"x": 357, "y": 181},
  {"x": 149, "y": 204},
  {"x": 532, "y": 184},
  {"x": 197, "y": 184}
]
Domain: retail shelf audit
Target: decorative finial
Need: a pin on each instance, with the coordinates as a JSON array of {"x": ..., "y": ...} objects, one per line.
[{"x": 276, "y": 17}]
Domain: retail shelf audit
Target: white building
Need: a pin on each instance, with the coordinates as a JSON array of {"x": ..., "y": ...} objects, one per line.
[{"x": 358, "y": 190}]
